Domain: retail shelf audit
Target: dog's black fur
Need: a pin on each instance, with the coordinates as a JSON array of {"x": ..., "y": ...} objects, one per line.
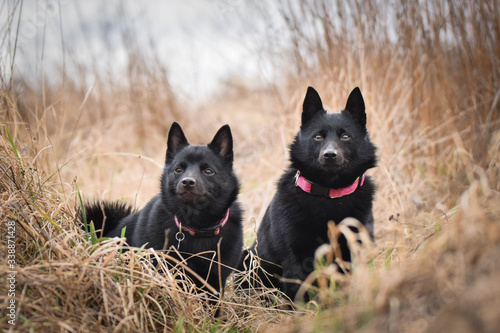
[
  {"x": 198, "y": 186},
  {"x": 331, "y": 150}
]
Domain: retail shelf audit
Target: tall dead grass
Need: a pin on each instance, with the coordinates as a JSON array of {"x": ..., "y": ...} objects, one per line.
[
  {"x": 66, "y": 281},
  {"x": 429, "y": 72}
]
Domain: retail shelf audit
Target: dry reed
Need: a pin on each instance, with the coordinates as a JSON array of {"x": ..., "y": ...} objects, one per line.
[{"x": 429, "y": 72}]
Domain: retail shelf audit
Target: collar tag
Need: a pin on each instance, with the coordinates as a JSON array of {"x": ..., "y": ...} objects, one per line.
[{"x": 201, "y": 233}]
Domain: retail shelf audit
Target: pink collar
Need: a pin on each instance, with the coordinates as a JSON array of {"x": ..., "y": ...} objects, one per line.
[
  {"x": 333, "y": 193},
  {"x": 207, "y": 232}
]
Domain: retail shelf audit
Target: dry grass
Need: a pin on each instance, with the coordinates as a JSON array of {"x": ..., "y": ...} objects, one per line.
[
  {"x": 429, "y": 74},
  {"x": 65, "y": 281}
]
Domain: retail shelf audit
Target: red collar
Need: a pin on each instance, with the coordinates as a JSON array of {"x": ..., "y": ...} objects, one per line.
[
  {"x": 207, "y": 232},
  {"x": 333, "y": 193}
]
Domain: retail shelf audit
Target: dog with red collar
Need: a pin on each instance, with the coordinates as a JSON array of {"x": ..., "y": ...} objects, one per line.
[
  {"x": 195, "y": 215},
  {"x": 325, "y": 182}
]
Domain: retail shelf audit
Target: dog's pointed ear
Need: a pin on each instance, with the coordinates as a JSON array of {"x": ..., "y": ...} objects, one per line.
[
  {"x": 222, "y": 143},
  {"x": 312, "y": 105},
  {"x": 176, "y": 141},
  {"x": 356, "y": 106}
]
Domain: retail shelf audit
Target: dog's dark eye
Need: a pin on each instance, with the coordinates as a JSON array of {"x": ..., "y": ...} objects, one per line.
[
  {"x": 345, "y": 137},
  {"x": 318, "y": 137},
  {"x": 208, "y": 172},
  {"x": 178, "y": 170}
]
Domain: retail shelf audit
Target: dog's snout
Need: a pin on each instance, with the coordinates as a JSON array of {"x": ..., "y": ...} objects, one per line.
[
  {"x": 330, "y": 154},
  {"x": 188, "y": 182}
]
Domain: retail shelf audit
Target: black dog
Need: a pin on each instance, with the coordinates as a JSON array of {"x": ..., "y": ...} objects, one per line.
[
  {"x": 325, "y": 182},
  {"x": 197, "y": 207}
]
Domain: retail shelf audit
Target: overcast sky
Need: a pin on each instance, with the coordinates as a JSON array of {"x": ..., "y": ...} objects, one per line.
[{"x": 200, "y": 41}]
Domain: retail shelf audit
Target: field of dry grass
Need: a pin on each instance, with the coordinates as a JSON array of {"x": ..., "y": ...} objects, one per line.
[{"x": 430, "y": 75}]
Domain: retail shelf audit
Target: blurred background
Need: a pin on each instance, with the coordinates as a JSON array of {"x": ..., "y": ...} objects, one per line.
[
  {"x": 90, "y": 89},
  {"x": 199, "y": 42}
]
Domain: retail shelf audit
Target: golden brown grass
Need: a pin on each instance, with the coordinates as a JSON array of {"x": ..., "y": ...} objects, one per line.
[
  {"x": 67, "y": 282},
  {"x": 429, "y": 74}
]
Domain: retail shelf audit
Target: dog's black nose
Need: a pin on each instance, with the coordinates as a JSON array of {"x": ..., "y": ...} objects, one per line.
[
  {"x": 330, "y": 154},
  {"x": 188, "y": 182}
]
